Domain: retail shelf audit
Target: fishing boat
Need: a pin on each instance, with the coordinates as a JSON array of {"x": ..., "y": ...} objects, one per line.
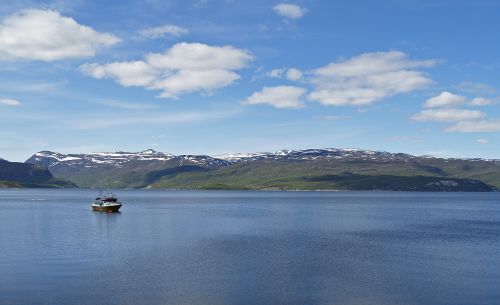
[{"x": 106, "y": 202}]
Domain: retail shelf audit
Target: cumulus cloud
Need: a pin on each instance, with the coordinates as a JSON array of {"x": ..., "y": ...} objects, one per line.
[
  {"x": 445, "y": 99},
  {"x": 368, "y": 78},
  {"x": 448, "y": 115},
  {"x": 476, "y": 126},
  {"x": 463, "y": 120},
  {"x": 162, "y": 31},
  {"x": 278, "y": 97},
  {"x": 184, "y": 68},
  {"x": 448, "y": 99},
  {"x": 9, "y": 102},
  {"x": 290, "y": 11},
  {"x": 131, "y": 73},
  {"x": 48, "y": 36},
  {"x": 442, "y": 110},
  {"x": 293, "y": 74}
]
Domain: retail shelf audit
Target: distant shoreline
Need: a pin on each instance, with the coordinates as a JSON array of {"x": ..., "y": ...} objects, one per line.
[{"x": 245, "y": 190}]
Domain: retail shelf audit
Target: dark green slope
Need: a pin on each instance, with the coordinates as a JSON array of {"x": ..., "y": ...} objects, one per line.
[
  {"x": 15, "y": 174},
  {"x": 124, "y": 177},
  {"x": 136, "y": 179}
]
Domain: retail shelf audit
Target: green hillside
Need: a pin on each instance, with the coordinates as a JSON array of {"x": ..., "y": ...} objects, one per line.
[
  {"x": 295, "y": 176},
  {"x": 24, "y": 175}
]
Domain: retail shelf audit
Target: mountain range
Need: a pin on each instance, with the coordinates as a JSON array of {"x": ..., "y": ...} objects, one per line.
[{"x": 310, "y": 169}]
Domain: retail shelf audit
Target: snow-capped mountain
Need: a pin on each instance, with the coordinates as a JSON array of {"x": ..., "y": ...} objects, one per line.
[
  {"x": 149, "y": 167},
  {"x": 346, "y": 154},
  {"x": 318, "y": 154},
  {"x": 121, "y": 159},
  {"x": 55, "y": 161}
]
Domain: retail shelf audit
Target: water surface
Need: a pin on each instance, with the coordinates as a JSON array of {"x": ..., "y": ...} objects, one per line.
[{"x": 224, "y": 247}]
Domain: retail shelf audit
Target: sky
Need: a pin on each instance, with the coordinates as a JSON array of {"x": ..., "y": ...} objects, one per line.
[{"x": 227, "y": 76}]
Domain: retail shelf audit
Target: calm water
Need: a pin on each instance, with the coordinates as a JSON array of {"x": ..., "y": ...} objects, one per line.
[{"x": 176, "y": 247}]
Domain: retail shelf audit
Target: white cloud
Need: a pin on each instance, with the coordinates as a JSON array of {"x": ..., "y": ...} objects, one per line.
[
  {"x": 448, "y": 99},
  {"x": 368, "y": 78},
  {"x": 131, "y": 73},
  {"x": 198, "y": 56},
  {"x": 482, "y": 141},
  {"x": 47, "y": 36},
  {"x": 162, "y": 31},
  {"x": 448, "y": 115},
  {"x": 445, "y": 99},
  {"x": 464, "y": 120},
  {"x": 276, "y": 73},
  {"x": 9, "y": 102},
  {"x": 195, "y": 80},
  {"x": 481, "y": 101},
  {"x": 290, "y": 11},
  {"x": 476, "y": 126},
  {"x": 278, "y": 97},
  {"x": 293, "y": 74},
  {"x": 185, "y": 67}
]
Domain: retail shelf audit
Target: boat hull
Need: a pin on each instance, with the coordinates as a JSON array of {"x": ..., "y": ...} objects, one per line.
[{"x": 106, "y": 208}]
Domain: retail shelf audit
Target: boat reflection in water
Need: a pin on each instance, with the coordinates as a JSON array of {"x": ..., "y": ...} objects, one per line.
[{"x": 106, "y": 202}]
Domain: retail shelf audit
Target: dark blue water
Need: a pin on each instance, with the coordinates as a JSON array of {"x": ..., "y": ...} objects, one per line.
[{"x": 176, "y": 247}]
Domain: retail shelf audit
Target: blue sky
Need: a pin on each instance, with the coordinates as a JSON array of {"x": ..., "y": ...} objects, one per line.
[{"x": 212, "y": 77}]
